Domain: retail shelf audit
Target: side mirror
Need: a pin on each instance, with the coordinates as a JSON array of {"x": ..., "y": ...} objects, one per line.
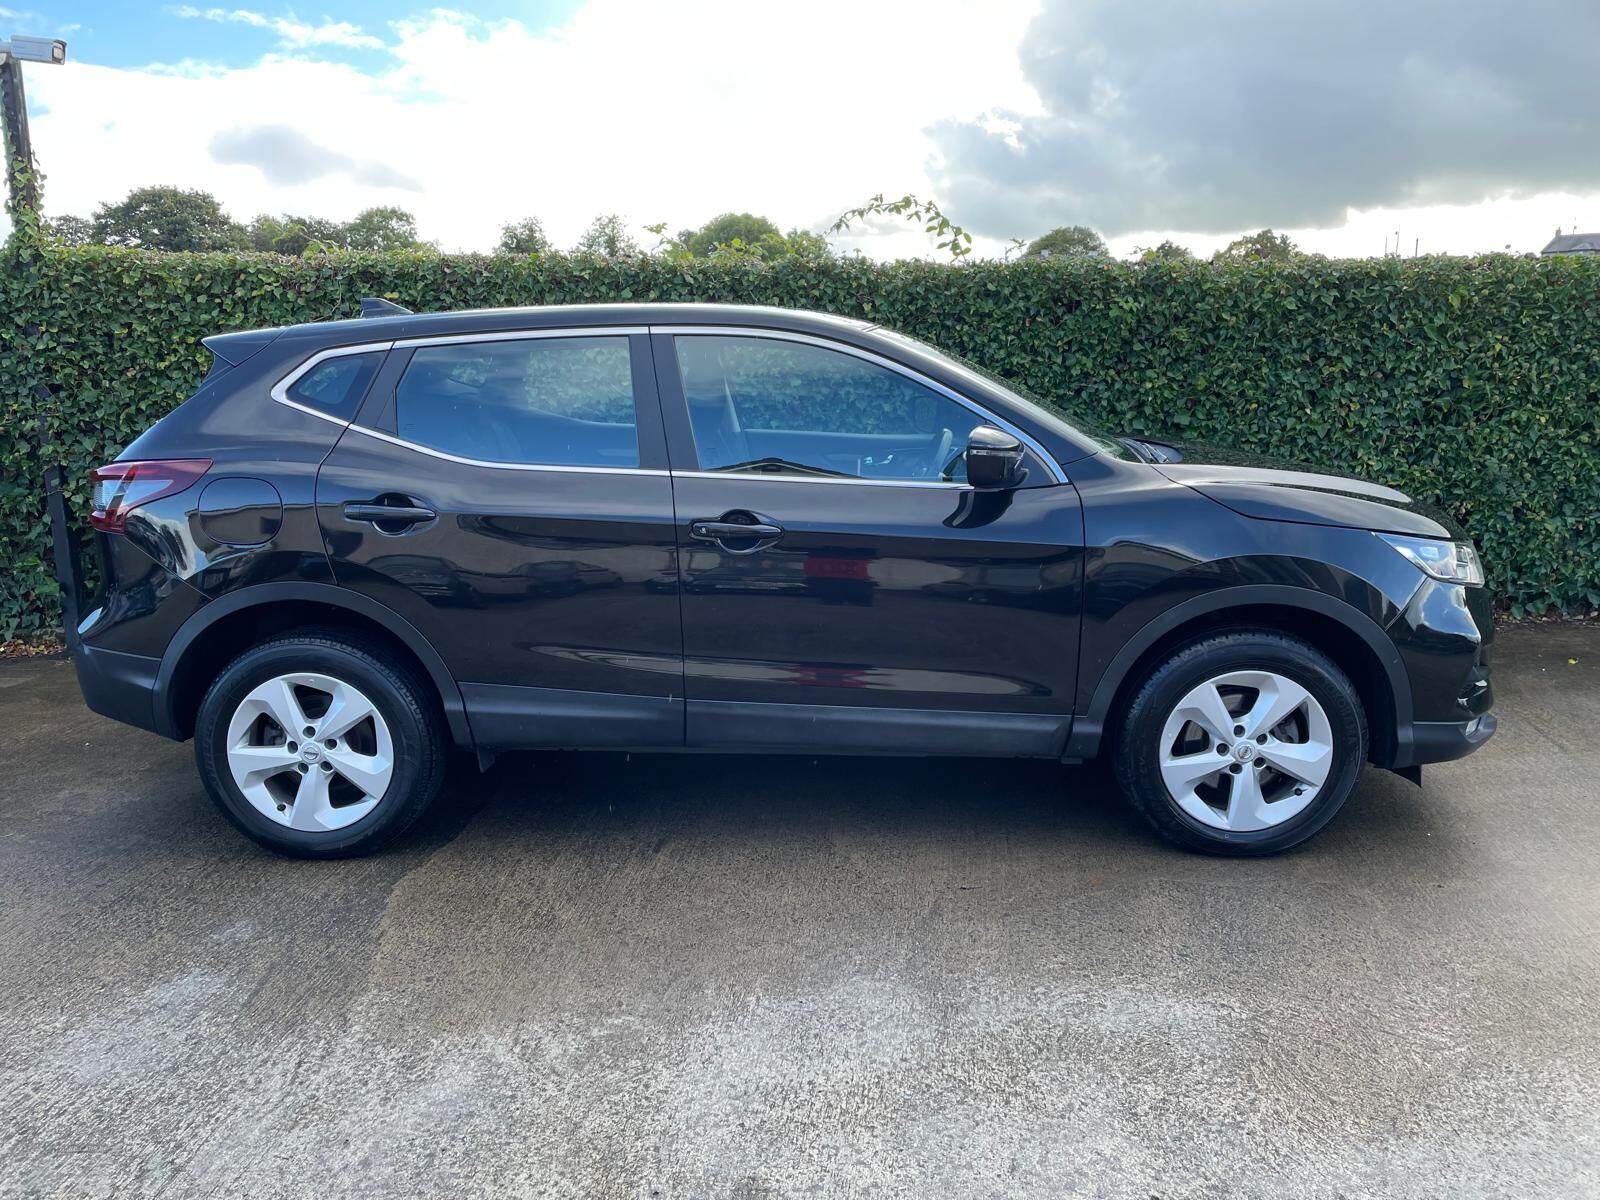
[{"x": 994, "y": 458}]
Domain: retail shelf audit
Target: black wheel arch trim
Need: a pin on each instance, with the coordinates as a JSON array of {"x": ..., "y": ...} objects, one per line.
[
  {"x": 1088, "y": 728},
  {"x": 321, "y": 593}
]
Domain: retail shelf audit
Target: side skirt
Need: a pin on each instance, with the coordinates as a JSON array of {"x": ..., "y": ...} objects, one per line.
[
  {"x": 506, "y": 717},
  {"x": 850, "y": 729}
]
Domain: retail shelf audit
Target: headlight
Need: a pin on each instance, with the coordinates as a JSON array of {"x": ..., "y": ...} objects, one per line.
[{"x": 1453, "y": 562}]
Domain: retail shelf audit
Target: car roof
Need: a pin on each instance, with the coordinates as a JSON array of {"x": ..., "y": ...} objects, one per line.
[{"x": 557, "y": 316}]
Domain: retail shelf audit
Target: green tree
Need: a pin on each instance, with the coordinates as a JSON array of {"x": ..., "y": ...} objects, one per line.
[
  {"x": 606, "y": 237},
  {"x": 70, "y": 230},
  {"x": 294, "y": 235},
  {"x": 382, "y": 228},
  {"x": 523, "y": 237},
  {"x": 1264, "y": 246},
  {"x": 168, "y": 218},
  {"x": 746, "y": 228},
  {"x": 804, "y": 243},
  {"x": 1068, "y": 241},
  {"x": 738, "y": 235},
  {"x": 1168, "y": 251}
]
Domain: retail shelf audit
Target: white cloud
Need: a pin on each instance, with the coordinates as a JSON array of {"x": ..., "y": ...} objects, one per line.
[
  {"x": 660, "y": 112},
  {"x": 293, "y": 33}
]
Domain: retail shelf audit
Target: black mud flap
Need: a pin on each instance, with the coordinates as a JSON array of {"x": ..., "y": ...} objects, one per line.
[
  {"x": 1414, "y": 774},
  {"x": 69, "y": 571}
]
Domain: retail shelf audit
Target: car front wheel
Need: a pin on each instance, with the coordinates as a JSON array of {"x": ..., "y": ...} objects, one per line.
[
  {"x": 319, "y": 744},
  {"x": 1246, "y": 742}
]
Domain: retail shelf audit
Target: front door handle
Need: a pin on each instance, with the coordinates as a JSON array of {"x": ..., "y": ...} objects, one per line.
[
  {"x": 747, "y": 531},
  {"x": 389, "y": 514},
  {"x": 716, "y": 531}
]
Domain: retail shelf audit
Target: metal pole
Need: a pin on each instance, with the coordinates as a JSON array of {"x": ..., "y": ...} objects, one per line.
[{"x": 22, "y": 181}]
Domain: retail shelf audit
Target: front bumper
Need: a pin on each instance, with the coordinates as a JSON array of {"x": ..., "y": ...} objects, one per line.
[
  {"x": 1444, "y": 637},
  {"x": 1444, "y": 741}
]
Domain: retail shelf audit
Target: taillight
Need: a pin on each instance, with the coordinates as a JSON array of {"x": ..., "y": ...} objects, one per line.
[{"x": 121, "y": 487}]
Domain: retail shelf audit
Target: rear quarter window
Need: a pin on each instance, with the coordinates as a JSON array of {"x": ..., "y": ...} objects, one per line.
[{"x": 335, "y": 386}]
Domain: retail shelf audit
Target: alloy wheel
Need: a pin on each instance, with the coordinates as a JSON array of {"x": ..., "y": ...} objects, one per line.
[
  {"x": 1246, "y": 751},
  {"x": 310, "y": 751}
]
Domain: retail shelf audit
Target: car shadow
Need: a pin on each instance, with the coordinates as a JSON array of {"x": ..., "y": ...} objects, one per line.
[{"x": 634, "y": 801}]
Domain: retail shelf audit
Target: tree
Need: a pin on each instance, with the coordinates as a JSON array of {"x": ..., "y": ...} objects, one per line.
[
  {"x": 606, "y": 237},
  {"x": 168, "y": 218},
  {"x": 927, "y": 212},
  {"x": 1068, "y": 241},
  {"x": 1265, "y": 246},
  {"x": 295, "y": 235},
  {"x": 382, "y": 228},
  {"x": 70, "y": 230},
  {"x": 806, "y": 244},
  {"x": 746, "y": 228},
  {"x": 523, "y": 237},
  {"x": 1168, "y": 251}
]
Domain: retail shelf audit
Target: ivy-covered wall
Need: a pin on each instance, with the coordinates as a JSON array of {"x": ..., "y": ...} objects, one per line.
[{"x": 1472, "y": 383}]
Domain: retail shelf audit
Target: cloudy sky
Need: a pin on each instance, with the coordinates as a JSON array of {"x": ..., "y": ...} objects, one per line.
[{"x": 1462, "y": 125}]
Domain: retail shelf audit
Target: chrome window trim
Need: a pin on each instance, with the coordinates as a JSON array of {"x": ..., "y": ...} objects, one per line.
[
  {"x": 521, "y": 335},
  {"x": 505, "y": 466},
  {"x": 874, "y": 357},
  {"x": 856, "y": 480},
  {"x": 280, "y": 390}
]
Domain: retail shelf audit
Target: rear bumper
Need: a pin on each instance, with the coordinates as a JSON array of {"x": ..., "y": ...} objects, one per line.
[{"x": 118, "y": 685}]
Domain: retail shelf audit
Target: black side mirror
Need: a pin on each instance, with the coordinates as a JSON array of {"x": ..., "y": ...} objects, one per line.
[{"x": 994, "y": 458}]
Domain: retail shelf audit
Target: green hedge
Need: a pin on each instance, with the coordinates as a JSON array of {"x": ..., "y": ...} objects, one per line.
[{"x": 1472, "y": 383}]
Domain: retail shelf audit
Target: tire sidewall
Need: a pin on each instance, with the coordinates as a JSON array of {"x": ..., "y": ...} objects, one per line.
[
  {"x": 1243, "y": 652},
  {"x": 386, "y": 691}
]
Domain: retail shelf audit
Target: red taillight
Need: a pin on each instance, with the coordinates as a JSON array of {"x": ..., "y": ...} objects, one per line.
[{"x": 122, "y": 487}]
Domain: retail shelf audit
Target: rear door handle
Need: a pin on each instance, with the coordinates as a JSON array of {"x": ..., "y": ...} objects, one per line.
[{"x": 388, "y": 514}]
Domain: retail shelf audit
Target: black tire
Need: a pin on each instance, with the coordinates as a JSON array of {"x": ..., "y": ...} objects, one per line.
[
  {"x": 405, "y": 702},
  {"x": 1137, "y": 748}
]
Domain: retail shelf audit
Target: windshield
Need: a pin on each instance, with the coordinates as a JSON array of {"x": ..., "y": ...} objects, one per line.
[{"x": 1047, "y": 412}]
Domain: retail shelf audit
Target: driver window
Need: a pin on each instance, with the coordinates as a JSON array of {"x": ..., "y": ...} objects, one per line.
[{"x": 767, "y": 406}]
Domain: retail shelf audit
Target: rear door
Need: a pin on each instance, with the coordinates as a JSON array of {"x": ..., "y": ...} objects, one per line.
[
  {"x": 878, "y": 602},
  {"x": 508, "y": 495}
]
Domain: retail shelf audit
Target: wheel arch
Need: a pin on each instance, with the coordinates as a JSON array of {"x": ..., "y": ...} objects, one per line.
[
  {"x": 206, "y": 642},
  {"x": 1350, "y": 637}
]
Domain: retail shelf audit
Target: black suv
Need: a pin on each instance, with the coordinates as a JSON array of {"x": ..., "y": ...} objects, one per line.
[{"x": 695, "y": 527}]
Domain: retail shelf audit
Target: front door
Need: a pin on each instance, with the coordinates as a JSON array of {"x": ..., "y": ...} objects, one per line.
[
  {"x": 508, "y": 496},
  {"x": 843, "y": 587}
]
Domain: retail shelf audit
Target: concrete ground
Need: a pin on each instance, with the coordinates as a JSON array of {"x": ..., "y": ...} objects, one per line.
[{"x": 683, "y": 976}]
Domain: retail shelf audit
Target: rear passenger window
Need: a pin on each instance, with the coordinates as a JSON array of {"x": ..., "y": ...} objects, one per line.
[
  {"x": 336, "y": 385},
  {"x": 541, "y": 401}
]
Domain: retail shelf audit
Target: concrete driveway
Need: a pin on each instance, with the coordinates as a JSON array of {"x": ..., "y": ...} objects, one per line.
[{"x": 678, "y": 976}]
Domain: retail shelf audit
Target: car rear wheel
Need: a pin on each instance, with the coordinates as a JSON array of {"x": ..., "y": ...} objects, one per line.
[
  {"x": 320, "y": 744},
  {"x": 1246, "y": 742}
]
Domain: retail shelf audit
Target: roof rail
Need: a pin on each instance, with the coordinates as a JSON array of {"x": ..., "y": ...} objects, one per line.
[{"x": 376, "y": 306}]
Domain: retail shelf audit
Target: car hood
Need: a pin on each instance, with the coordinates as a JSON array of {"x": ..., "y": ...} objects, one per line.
[{"x": 1275, "y": 490}]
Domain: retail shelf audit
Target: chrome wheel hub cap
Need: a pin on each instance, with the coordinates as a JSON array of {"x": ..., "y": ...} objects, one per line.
[
  {"x": 1246, "y": 751},
  {"x": 310, "y": 751}
]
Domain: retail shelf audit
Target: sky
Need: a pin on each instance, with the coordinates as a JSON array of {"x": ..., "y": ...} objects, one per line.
[{"x": 1445, "y": 126}]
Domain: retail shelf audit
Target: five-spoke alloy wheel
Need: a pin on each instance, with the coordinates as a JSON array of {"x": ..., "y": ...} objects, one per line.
[
  {"x": 320, "y": 743},
  {"x": 1245, "y": 742},
  {"x": 310, "y": 751}
]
